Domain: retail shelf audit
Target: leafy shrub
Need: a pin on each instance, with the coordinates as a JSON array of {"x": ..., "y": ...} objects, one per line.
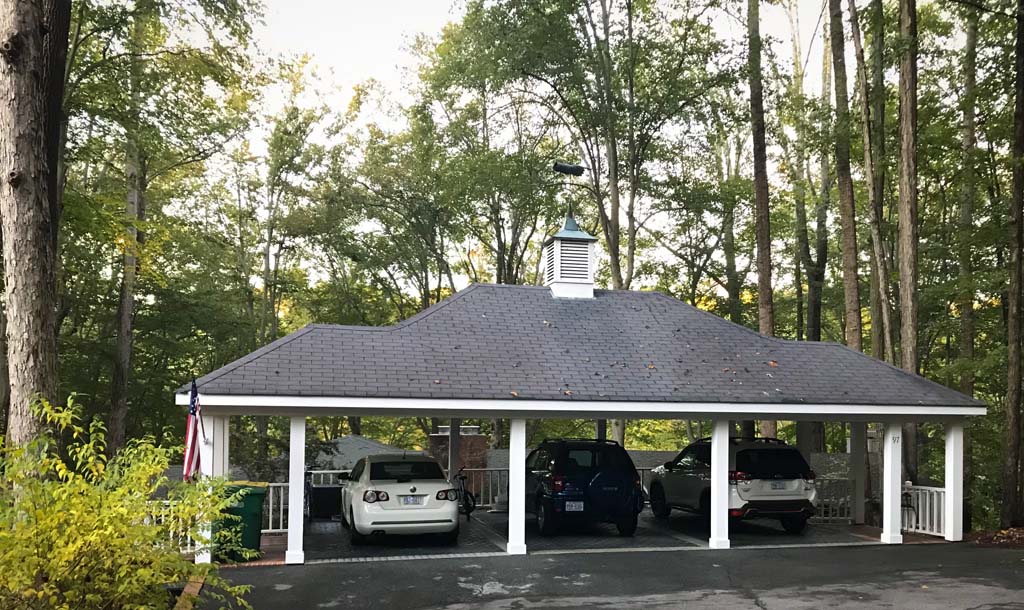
[{"x": 80, "y": 532}]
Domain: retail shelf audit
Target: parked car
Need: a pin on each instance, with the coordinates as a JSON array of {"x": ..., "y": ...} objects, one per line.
[
  {"x": 399, "y": 494},
  {"x": 582, "y": 480},
  {"x": 767, "y": 479}
]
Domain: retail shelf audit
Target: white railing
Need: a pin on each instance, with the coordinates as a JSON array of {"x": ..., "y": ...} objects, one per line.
[
  {"x": 835, "y": 501},
  {"x": 178, "y": 532},
  {"x": 326, "y": 477},
  {"x": 275, "y": 509},
  {"x": 923, "y": 510},
  {"x": 486, "y": 484}
]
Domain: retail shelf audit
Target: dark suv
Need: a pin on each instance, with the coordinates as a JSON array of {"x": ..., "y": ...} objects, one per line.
[{"x": 582, "y": 479}]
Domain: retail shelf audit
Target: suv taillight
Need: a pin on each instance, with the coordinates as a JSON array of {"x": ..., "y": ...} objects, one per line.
[
  {"x": 810, "y": 475},
  {"x": 735, "y": 476},
  {"x": 558, "y": 482}
]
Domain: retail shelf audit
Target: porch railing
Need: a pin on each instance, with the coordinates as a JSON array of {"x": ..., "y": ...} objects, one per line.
[
  {"x": 275, "y": 509},
  {"x": 162, "y": 512},
  {"x": 923, "y": 510},
  {"x": 835, "y": 501}
]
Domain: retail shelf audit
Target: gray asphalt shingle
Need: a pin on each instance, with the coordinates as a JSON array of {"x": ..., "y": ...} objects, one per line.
[{"x": 519, "y": 343}]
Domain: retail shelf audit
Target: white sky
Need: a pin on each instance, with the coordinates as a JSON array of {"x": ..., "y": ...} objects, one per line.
[{"x": 351, "y": 41}]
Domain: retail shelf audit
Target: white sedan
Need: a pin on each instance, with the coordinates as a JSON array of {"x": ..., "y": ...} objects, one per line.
[{"x": 399, "y": 494}]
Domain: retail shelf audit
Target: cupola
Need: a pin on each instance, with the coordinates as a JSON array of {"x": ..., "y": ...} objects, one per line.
[{"x": 569, "y": 262}]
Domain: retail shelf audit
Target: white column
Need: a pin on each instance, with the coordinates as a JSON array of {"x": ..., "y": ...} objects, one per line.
[
  {"x": 454, "y": 432},
  {"x": 217, "y": 430},
  {"x": 892, "y": 484},
  {"x": 208, "y": 450},
  {"x": 719, "y": 485},
  {"x": 858, "y": 467},
  {"x": 953, "y": 515},
  {"x": 296, "y": 490},
  {"x": 517, "y": 488}
]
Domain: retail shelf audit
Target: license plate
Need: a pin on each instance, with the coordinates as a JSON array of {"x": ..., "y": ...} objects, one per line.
[
  {"x": 411, "y": 501},
  {"x": 574, "y": 507},
  {"x": 778, "y": 485}
]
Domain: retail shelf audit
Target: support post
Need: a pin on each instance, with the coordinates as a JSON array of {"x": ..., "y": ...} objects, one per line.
[
  {"x": 296, "y": 490},
  {"x": 719, "y": 484},
  {"x": 517, "y": 488},
  {"x": 207, "y": 450},
  {"x": 953, "y": 512},
  {"x": 892, "y": 484},
  {"x": 858, "y": 467},
  {"x": 454, "y": 433}
]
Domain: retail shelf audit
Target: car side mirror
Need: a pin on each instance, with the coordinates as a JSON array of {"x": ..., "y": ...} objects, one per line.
[{"x": 670, "y": 466}]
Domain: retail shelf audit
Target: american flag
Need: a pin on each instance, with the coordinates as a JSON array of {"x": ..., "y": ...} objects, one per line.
[{"x": 192, "y": 428}]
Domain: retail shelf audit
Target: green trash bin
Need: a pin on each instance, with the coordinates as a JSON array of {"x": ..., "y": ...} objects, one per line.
[{"x": 249, "y": 509}]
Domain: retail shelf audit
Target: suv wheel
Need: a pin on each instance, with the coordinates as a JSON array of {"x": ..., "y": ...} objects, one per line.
[
  {"x": 659, "y": 505},
  {"x": 627, "y": 525},
  {"x": 794, "y": 524},
  {"x": 546, "y": 520}
]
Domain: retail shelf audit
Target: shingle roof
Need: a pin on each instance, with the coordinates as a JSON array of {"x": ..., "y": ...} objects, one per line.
[{"x": 520, "y": 343}]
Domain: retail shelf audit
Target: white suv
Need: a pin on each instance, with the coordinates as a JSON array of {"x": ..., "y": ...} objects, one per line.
[{"x": 768, "y": 479}]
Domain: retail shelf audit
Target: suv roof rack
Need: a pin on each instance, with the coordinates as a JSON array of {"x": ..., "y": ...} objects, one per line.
[
  {"x": 748, "y": 439},
  {"x": 570, "y": 439}
]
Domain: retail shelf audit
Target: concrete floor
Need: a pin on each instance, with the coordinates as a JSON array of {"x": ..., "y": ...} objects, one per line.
[
  {"x": 908, "y": 577},
  {"x": 485, "y": 534}
]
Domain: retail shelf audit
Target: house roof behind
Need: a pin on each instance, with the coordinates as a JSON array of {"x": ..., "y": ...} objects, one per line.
[{"x": 518, "y": 343}]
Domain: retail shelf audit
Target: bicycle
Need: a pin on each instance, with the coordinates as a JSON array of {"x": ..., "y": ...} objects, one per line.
[{"x": 467, "y": 501}]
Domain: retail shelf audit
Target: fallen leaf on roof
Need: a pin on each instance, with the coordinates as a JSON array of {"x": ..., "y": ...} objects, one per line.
[
  {"x": 567, "y": 392},
  {"x": 773, "y": 363},
  {"x": 651, "y": 365},
  {"x": 514, "y": 393},
  {"x": 437, "y": 381}
]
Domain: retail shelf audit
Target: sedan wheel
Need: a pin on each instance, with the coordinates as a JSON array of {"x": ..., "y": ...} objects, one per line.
[
  {"x": 354, "y": 536},
  {"x": 659, "y": 506}
]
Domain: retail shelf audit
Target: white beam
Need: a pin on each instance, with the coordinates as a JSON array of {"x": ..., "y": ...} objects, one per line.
[
  {"x": 314, "y": 406},
  {"x": 892, "y": 484},
  {"x": 517, "y": 488},
  {"x": 954, "y": 497},
  {"x": 296, "y": 490},
  {"x": 858, "y": 467},
  {"x": 719, "y": 485}
]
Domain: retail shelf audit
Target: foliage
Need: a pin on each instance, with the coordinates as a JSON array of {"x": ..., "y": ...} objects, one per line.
[{"x": 79, "y": 532}]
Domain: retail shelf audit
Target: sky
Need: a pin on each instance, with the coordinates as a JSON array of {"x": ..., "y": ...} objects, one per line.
[{"x": 351, "y": 41}]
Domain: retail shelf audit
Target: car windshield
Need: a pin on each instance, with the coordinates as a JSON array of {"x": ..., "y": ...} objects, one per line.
[
  {"x": 769, "y": 463},
  {"x": 405, "y": 471},
  {"x": 582, "y": 458}
]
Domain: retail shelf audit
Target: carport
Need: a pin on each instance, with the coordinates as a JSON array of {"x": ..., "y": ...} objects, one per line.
[{"x": 566, "y": 350}]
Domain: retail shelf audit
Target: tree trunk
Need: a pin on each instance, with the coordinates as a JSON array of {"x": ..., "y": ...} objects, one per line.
[
  {"x": 732, "y": 277},
  {"x": 31, "y": 74},
  {"x": 847, "y": 210},
  {"x": 134, "y": 213},
  {"x": 907, "y": 210},
  {"x": 5, "y": 381},
  {"x": 762, "y": 224},
  {"x": 873, "y": 134},
  {"x": 969, "y": 143},
  {"x": 355, "y": 425},
  {"x": 1010, "y": 509}
]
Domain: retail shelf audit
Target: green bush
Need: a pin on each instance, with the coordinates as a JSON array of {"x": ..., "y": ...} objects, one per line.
[{"x": 80, "y": 532}]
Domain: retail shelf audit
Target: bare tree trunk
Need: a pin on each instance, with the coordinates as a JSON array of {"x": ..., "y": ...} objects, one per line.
[
  {"x": 762, "y": 223},
  {"x": 874, "y": 156},
  {"x": 31, "y": 74},
  {"x": 5, "y": 381},
  {"x": 907, "y": 209},
  {"x": 1010, "y": 508},
  {"x": 134, "y": 213},
  {"x": 969, "y": 144},
  {"x": 847, "y": 209},
  {"x": 355, "y": 425}
]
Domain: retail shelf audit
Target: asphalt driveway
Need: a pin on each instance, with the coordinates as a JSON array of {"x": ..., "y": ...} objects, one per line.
[{"x": 947, "y": 576}]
